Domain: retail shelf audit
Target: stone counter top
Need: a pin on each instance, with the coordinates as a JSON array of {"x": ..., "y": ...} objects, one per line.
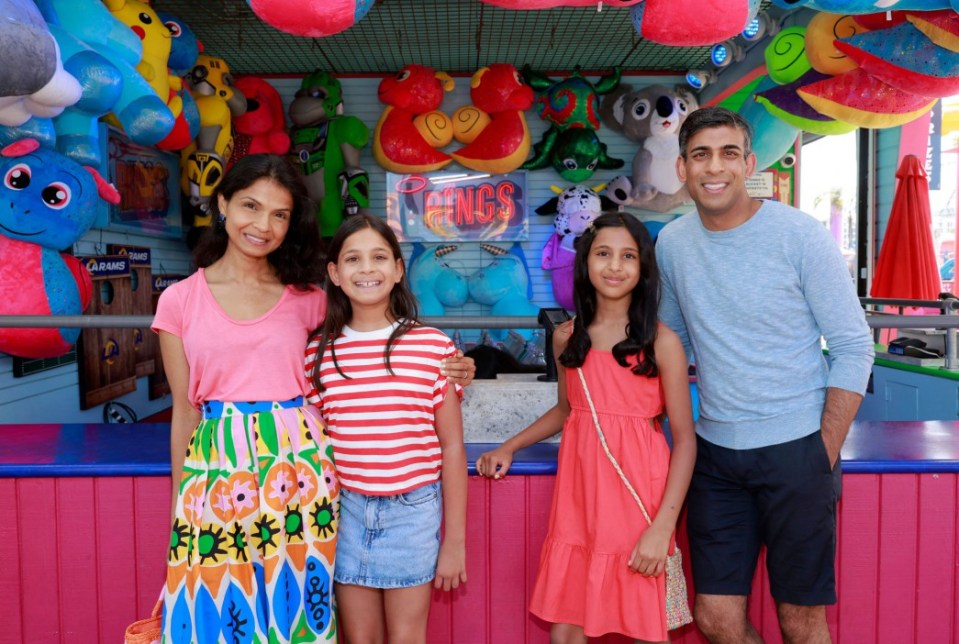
[{"x": 494, "y": 410}]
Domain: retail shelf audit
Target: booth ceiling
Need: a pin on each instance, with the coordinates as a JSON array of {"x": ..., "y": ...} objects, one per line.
[{"x": 456, "y": 36}]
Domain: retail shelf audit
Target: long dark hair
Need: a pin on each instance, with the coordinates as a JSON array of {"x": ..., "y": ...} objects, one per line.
[
  {"x": 339, "y": 310},
  {"x": 296, "y": 261},
  {"x": 643, "y": 306}
]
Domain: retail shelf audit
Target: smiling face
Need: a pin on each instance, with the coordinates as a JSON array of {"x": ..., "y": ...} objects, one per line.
[
  {"x": 366, "y": 270},
  {"x": 613, "y": 263},
  {"x": 715, "y": 170},
  {"x": 257, "y": 218}
]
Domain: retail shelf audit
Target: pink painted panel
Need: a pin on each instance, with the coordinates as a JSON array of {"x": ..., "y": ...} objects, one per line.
[
  {"x": 858, "y": 558},
  {"x": 151, "y": 515},
  {"x": 39, "y": 579},
  {"x": 10, "y": 548},
  {"x": 898, "y": 508},
  {"x": 116, "y": 555},
  {"x": 937, "y": 559},
  {"x": 76, "y": 532},
  {"x": 470, "y": 603},
  {"x": 510, "y": 550},
  {"x": 539, "y": 500}
]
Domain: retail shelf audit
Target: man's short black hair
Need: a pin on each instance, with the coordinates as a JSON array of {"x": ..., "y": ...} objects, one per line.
[{"x": 714, "y": 116}]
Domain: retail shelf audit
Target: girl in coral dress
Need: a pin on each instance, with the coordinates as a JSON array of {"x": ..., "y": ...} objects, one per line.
[{"x": 602, "y": 565}]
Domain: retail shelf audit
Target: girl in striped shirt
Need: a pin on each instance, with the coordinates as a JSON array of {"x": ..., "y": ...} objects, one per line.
[{"x": 397, "y": 435}]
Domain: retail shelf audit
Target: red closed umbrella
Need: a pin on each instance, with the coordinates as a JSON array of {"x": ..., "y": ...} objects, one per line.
[{"x": 906, "y": 268}]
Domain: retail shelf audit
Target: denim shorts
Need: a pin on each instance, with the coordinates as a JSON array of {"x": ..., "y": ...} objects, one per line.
[{"x": 389, "y": 541}]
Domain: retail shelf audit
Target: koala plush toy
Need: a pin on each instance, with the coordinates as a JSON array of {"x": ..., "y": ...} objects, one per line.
[{"x": 650, "y": 116}]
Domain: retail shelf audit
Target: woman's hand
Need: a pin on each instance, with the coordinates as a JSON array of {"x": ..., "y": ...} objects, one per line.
[
  {"x": 459, "y": 369},
  {"x": 649, "y": 553},
  {"x": 450, "y": 566},
  {"x": 496, "y": 463}
]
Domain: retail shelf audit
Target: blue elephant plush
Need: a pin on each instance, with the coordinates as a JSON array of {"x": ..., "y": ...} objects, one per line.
[
  {"x": 504, "y": 286},
  {"x": 434, "y": 282}
]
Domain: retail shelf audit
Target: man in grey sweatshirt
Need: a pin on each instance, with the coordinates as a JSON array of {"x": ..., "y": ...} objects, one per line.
[{"x": 752, "y": 287}]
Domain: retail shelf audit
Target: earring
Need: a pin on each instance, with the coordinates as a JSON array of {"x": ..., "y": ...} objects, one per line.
[{"x": 222, "y": 218}]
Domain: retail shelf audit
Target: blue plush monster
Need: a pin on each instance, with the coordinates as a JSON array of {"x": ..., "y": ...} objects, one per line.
[
  {"x": 47, "y": 201},
  {"x": 504, "y": 285},
  {"x": 184, "y": 46},
  {"x": 435, "y": 284}
]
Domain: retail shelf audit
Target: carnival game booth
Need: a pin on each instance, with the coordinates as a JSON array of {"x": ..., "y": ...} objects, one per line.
[{"x": 451, "y": 119}]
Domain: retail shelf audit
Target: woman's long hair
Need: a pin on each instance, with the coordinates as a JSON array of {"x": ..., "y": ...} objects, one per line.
[
  {"x": 339, "y": 310},
  {"x": 296, "y": 261},
  {"x": 643, "y": 306}
]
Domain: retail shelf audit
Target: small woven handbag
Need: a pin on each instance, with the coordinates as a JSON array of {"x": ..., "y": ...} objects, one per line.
[
  {"x": 145, "y": 631},
  {"x": 677, "y": 603}
]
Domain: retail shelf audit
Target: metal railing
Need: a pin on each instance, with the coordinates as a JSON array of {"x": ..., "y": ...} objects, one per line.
[{"x": 947, "y": 320}]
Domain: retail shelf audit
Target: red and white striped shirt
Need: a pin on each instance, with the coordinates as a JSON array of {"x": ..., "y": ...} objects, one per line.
[{"x": 383, "y": 426}]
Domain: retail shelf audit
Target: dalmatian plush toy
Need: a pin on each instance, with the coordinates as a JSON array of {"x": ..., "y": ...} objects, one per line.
[
  {"x": 575, "y": 209},
  {"x": 650, "y": 116}
]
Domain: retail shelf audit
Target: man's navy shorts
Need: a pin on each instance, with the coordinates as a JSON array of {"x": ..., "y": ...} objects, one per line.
[{"x": 782, "y": 496}]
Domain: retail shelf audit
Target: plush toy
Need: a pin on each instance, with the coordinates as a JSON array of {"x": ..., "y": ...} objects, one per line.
[
  {"x": 141, "y": 113},
  {"x": 551, "y": 4},
  {"x": 863, "y": 100},
  {"x": 504, "y": 285},
  {"x": 650, "y": 116},
  {"x": 852, "y": 7},
  {"x": 574, "y": 210},
  {"x": 33, "y": 81},
  {"x": 494, "y": 127},
  {"x": 571, "y": 107},
  {"x": 941, "y": 27},
  {"x": 184, "y": 46},
  {"x": 311, "y": 19},
  {"x": 783, "y": 102},
  {"x": 262, "y": 128},
  {"x": 47, "y": 202},
  {"x": 202, "y": 163},
  {"x": 692, "y": 23},
  {"x": 772, "y": 137},
  {"x": 821, "y": 32},
  {"x": 785, "y": 55},
  {"x": 902, "y": 56},
  {"x": 154, "y": 65},
  {"x": 412, "y": 125},
  {"x": 327, "y": 144},
  {"x": 435, "y": 284}
]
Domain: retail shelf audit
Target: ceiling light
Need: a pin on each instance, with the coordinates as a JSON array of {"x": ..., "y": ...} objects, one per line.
[
  {"x": 760, "y": 26},
  {"x": 699, "y": 78},
  {"x": 726, "y": 53}
]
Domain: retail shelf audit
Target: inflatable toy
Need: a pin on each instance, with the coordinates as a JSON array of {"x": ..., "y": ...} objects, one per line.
[
  {"x": 784, "y": 103},
  {"x": 504, "y": 285},
  {"x": 786, "y": 59},
  {"x": 905, "y": 58},
  {"x": 202, "y": 163},
  {"x": 571, "y": 107},
  {"x": 412, "y": 125},
  {"x": 821, "y": 31},
  {"x": 863, "y": 100},
  {"x": 141, "y": 113},
  {"x": 692, "y": 23},
  {"x": 882, "y": 20},
  {"x": 33, "y": 81},
  {"x": 262, "y": 128},
  {"x": 772, "y": 137},
  {"x": 184, "y": 46},
  {"x": 435, "y": 284},
  {"x": 327, "y": 144},
  {"x": 551, "y": 4},
  {"x": 47, "y": 202},
  {"x": 574, "y": 209},
  {"x": 651, "y": 117},
  {"x": 853, "y": 7},
  {"x": 494, "y": 127},
  {"x": 941, "y": 27},
  {"x": 311, "y": 19}
]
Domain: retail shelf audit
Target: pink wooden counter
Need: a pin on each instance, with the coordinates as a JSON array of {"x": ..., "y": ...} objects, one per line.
[{"x": 83, "y": 536}]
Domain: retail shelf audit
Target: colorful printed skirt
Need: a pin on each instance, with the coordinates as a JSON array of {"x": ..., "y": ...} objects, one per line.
[{"x": 254, "y": 534}]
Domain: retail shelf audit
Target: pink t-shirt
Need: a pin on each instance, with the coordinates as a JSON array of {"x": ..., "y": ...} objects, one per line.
[{"x": 240, "y": 360}]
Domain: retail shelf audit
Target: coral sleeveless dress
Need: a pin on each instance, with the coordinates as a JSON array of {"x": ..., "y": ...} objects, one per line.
[{"x": 584, "y": 577}]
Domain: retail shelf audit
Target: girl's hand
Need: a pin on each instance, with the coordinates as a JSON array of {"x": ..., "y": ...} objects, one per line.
[
  {"x": 495, "y": 464},
  {"x": 649, "y": 554},
  {"x": 450, "y": 566},
  {"x": 459, "y": 369}
]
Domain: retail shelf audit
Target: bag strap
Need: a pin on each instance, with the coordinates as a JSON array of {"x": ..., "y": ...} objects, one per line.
[{"x": 609, "y": 455}]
